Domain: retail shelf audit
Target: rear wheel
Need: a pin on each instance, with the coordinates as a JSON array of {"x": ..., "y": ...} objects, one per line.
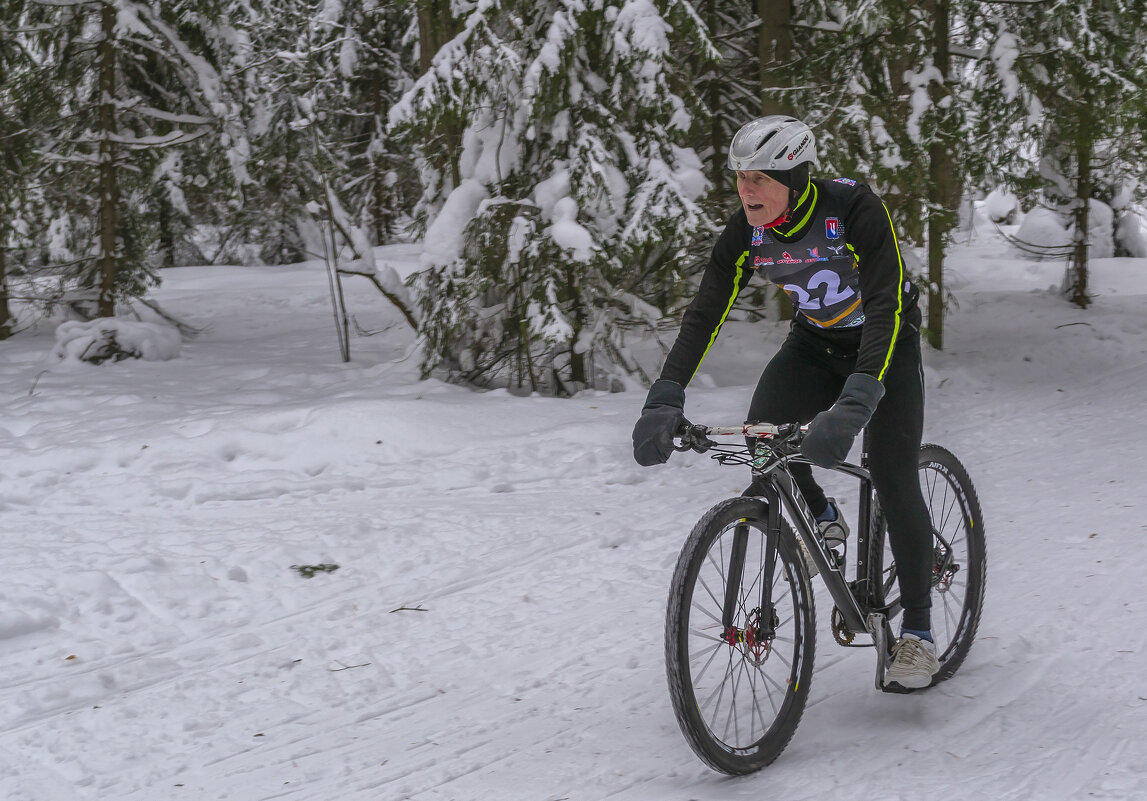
[
  {"x": 739, "y": 658},
  {"x": 959, "y": 557}
]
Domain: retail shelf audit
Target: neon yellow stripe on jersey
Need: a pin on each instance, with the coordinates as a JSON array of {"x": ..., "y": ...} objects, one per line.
[
  {"x": 808, "y": 214},
  {"x": 728, "y": 308},
  {"x": 899, "y": 298}
]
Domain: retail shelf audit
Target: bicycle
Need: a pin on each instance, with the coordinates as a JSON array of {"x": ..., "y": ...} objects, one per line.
[{"x": 741, "y": 621}]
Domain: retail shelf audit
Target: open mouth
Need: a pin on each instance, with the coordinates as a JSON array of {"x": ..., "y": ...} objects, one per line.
[{"x": 753, "y": 206}]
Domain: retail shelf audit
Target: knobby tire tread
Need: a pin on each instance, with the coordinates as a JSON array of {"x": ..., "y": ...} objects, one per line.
[
  {"x": 693, "y": 555},
  {"x": 977, "y": 547}
]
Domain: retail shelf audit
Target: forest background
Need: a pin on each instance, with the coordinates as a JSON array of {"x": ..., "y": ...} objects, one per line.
[{"x": 562, "y": 162}]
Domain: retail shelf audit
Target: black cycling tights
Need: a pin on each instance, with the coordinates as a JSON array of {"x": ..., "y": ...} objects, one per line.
[{"x": 803, "y": 379}]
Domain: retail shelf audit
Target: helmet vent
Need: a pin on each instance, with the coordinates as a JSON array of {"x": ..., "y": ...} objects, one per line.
[{"x": 766, "y": 138}]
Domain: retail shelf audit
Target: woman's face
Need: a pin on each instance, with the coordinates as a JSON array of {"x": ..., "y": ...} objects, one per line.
[{"x": 763, "y": 198}]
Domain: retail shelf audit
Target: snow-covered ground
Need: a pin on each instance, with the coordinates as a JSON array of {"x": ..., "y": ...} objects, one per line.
[{"x": 493, "y": 631}]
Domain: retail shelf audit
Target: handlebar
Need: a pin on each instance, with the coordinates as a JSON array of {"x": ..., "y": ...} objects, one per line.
[{"x": 696, "y": 437}]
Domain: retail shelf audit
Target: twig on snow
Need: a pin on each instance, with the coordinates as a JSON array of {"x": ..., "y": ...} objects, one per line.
[{"x": 347, "y": 667}]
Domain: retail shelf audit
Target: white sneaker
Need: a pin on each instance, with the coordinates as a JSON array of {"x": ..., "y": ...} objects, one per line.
[{"x": 913, "y": 663}]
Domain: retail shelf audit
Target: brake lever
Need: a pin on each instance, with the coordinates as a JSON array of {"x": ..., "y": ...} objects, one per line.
[
  {"x": 788, "y": 442},
  {"x": 692, "y": 439}
]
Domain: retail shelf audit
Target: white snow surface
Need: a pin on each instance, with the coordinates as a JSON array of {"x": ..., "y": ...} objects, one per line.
[{"x": 494, "y": 630}]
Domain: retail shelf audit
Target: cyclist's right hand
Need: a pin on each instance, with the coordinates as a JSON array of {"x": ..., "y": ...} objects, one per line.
[{"x": 662, "y": 416}]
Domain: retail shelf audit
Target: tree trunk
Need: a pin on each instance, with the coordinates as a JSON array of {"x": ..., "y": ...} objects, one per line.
[
  {"x": 775, "y": 49},
  {"x": 108, "y": 179},
  {"x": 436, "y": 27},
  {"x": 1077, "y": 269},
  {"x": 942, "y": 169},
  {"x": 381, "y": 214},
  {"x": 945, "y": 187},
  {"x": 711, "y": 91},
  {"x": 578, "y": 375},
  {"x": 166, "y": 235},
  {"x": 5, "y": 315}
]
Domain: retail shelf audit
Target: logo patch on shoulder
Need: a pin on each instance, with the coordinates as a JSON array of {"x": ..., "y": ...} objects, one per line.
[
  {"x": 758, "y": 236},
  {"x": 832, "y": 227},
  {"x": 848, "y": 181}
]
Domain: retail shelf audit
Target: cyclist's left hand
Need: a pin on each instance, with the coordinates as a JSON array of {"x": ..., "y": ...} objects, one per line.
[{"x": 832, "y": 432}]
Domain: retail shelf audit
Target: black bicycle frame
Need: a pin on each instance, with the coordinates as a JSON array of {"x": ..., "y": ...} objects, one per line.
[{"x": 776, "y": 487}]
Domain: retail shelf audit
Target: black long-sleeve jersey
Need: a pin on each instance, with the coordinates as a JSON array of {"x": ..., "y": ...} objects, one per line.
[{"x": 838, "y": 259}]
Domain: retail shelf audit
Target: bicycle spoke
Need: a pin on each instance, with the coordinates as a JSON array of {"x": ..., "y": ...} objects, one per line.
[
  {"x": 780, "y": 657},
  {"x": 769, "y": 695},
  {"x": 780, "y": 688},
  {"x": 720, "y": 690},
  {"x": 703, "y": 634},
  {"x": 705, "y": 584},
  {"x": 732, "y": 717},
  {"x": 757, "y": 709},
  {"x": 712, "y": 652}
]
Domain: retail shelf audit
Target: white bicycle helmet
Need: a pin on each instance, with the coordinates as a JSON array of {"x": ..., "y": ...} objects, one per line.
[{"x": 771, "y": 144}]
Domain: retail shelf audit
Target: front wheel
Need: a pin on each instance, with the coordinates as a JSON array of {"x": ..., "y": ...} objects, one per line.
[
  {"x": 739, "y": 638},
  {"x": 959, "y": 557}
]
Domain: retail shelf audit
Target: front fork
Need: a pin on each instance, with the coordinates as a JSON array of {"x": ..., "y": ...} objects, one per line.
[{"x": 762, "y": 618}]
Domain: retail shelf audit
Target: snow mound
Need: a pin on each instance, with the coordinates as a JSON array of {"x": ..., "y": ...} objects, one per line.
[
  {"x": 1044, "y": 229},
  {"x": 1001, "y": 206},
  {"x": 109, "y": 339},
  {"x": 1131, "y": 231}
]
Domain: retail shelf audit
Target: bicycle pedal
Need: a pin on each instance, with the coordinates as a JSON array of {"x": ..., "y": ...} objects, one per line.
[
  {"x": 878, "y": 627},
  {"x": 896, "y": 689}
]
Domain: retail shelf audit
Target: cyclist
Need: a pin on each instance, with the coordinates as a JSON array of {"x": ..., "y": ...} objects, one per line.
[{"x": 851, "y": 358}]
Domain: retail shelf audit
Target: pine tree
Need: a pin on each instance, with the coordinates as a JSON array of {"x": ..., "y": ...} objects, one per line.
[
  {"x": 880, "y": 82},
  {"x": 132, "y": 80},
  {"x": 729, "y": 86},
  {"x": 21, "y": 97},
  {"x": 1074, "y": 81},
  {"x": 384, "y": 69},
  {"x": 323, "y": 170},
  {"x": 570, "y": 194}
]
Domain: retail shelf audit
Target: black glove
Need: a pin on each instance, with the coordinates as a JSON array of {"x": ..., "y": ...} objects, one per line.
[
  {"x": 661, "y": 416},
  {"x": 831, "y": 432}
]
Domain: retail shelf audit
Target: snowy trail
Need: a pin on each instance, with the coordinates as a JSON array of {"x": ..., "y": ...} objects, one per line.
[{"x": 494, "y": 629}]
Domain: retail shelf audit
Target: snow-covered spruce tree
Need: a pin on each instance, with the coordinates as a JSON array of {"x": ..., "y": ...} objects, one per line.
[
  {"x": 278, "y": 92},
  {"x": 312, "y": 133},
  {"x": 571, "y": 194},
  {"x": 21, "y": 105},
  {"x": 729, "y": 86},
  {"x": 1073, "y": 78},
  {"x": 384, "y": 69},
  {"x": 133, "y": 79},
  {"x": 881, "y": 82}
]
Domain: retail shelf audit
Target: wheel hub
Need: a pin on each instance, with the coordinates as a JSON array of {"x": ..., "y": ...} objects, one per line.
[
  {"x": 754, "y": 641},
  {"x": 944, "y": 570}
]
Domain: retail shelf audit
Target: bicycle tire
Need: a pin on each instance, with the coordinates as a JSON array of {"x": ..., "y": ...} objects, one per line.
[
  {"x": 960, "y": 550},
  {"x": 695, "y": 640}
]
